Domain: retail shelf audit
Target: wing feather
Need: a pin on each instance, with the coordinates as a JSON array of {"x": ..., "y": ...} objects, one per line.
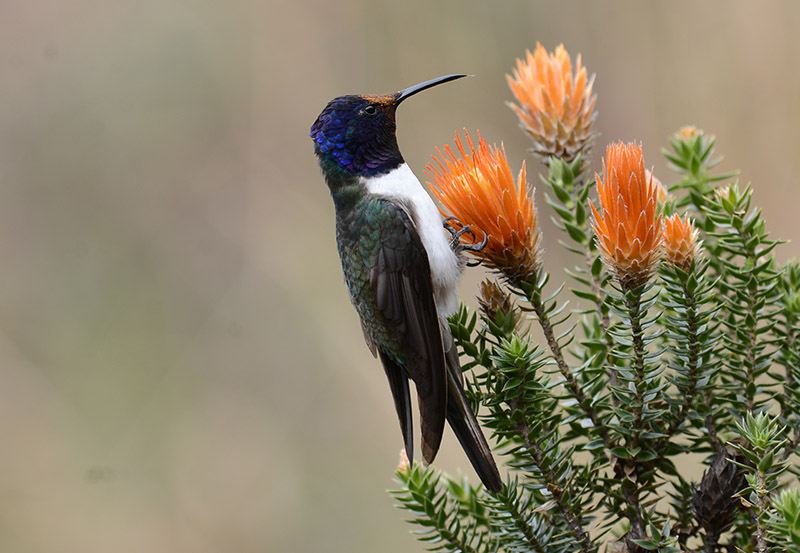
[{"x": 401, "y": 281}]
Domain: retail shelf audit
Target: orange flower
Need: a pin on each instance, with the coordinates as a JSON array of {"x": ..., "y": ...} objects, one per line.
[
  {"x": 680, "y": 241},
  {"x": 556, "y": 107},
  {"x": 629, "y": 229},
  {"x": 689, "y": 131},
  {"x": 403, "y": 465},
  {"x": 478, "y": 189}
]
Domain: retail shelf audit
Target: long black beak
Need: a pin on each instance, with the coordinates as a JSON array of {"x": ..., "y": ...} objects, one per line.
[{"x": 411, "y": 90}]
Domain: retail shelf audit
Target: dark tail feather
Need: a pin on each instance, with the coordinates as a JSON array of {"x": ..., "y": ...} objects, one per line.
[
  {"x": 466, "y": 428},
  {"x": 398, "y": 382}
]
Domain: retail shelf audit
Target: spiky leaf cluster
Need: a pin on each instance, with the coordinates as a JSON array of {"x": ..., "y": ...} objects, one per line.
[
  {"x": 518, "y": 523},
  {"x": 596, "y": 408},
  {"x": 569, "y": 199},
  {"x": 689, "y": 306},
  {"x": 761, "y": 448},
  {"x": 783, "y": 524},
  {"x": 448, "y": 514},
  {"x": 749, "y": 283},
  {"x": 787, "y": 331},
  {"x": 692, "y": 156}
]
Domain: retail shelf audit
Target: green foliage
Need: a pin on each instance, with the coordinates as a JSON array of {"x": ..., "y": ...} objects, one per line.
[
  {"x": 788, "y": 352},
  {"x": 764, "y": 465},
  {"x": 690, "y": 342},
  {"x": 570, "y": 201},
  {"x": 701, "y": 364},
  {"x": 451, "y": 515},
  {"x": 783, "y": 524},
  {"x": 691, "y": 155},
  {"x": 519, "y": 526}
]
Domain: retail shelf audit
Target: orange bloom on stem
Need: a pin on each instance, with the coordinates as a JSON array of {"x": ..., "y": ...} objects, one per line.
[
  {"x": 688, "y": 131},
  {"x": 403, "y": 465},
  {"x": 680, "y": 241},
  {"x": 628, "y": 226},
  {"x": 479, "y": 190},
  {"x": 556, "y": 106}
]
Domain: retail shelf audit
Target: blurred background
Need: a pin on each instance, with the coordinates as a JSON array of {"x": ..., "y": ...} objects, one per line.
[{"x": 180, "y": 367}]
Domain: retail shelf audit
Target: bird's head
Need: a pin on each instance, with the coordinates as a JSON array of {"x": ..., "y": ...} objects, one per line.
[{"x": 356, "y": 134}]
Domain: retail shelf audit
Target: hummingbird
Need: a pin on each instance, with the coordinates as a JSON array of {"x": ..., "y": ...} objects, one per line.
[{"x": 400, "y": 267}]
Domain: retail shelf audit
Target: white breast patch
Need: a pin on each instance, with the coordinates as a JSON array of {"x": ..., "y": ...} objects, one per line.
[{"x": 401, "y": 184}]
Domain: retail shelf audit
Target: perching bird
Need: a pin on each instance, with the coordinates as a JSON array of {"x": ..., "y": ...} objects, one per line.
[{"x": 400, "y": 267}]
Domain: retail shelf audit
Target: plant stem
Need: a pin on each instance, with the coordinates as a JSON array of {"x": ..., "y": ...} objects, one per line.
[
  {"x": 711, "y": 542},
  {"x": 761, "y": 534},
  {"x": 535, "y": 299},
  {"x": 633, "y": 303},
  {"x": 631, "y": 488},
  {"x": 552, "y": 484},
  {"x": 692, "y": 361},
  {"x": 521, "y": 524},
  {"x": 752, "y": 325},
  {"x": 751, "y": 360},
  {"x": 634, "y": 513}
]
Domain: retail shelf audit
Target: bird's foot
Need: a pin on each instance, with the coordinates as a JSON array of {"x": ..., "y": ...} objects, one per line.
[{"x": 450, "y": 224}]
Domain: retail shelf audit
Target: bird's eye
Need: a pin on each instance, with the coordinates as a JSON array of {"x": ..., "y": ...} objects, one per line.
[{"x": 369, "y": 109}]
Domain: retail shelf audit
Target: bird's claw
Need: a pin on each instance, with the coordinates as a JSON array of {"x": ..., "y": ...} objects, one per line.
[
  {"x": 450, "y": 224},
  {"x": 455, "y": 236},
  {"x": 475, "y": 247},
  {"x": 446, "y": 223}
]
